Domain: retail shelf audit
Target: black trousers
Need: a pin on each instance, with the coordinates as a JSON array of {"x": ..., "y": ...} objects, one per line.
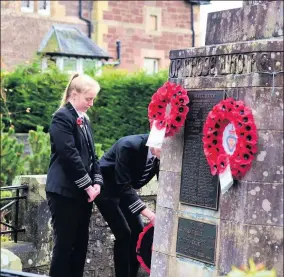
[
  {"x": 126, "y": 229},
  {"x": 70, "y": 220}
]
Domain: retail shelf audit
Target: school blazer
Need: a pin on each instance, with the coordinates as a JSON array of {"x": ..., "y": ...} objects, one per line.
[
  {"x": 122, "y": 168},
  {"x": 73, "y": 164}
]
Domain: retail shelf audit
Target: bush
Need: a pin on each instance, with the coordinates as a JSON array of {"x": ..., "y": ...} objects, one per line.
[
  {"x": 30, "y": 88},
  {"x": 12, "y": 160},
  {"x": 38, "y": 160},
  {"x": 99, "y": 151},
  {"x": 32, "y": 96},
  {"x": 121, "y": 107}
]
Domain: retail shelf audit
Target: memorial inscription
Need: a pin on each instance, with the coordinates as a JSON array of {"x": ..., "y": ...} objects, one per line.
[
  {"x": 196, "y": 240},
  {"x": 242, "y": 63},
  {"x": 198, "y": 186}
]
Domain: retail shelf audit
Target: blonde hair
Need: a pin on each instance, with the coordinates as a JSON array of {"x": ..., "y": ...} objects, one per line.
[{"x": 80, "y": 83}]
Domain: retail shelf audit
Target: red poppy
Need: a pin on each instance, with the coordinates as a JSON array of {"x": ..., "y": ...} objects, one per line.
[
  {"x": 183, "y": 99},
  {"x": 79, "y": 121}
]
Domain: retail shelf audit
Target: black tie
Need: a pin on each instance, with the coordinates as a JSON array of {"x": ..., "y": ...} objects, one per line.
[{"x": 147, "y": 170}]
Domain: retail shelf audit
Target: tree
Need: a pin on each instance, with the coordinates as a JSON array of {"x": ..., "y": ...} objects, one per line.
[{"x": 12, "y": 160}]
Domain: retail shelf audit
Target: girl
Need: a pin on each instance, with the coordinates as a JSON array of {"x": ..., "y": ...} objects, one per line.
[{"x": 73, "y": 178}]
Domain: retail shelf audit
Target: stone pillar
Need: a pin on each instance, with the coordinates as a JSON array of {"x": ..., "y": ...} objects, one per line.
[
  {"x": 254, "y": 2},
  {"x": 243, "y": 58}
]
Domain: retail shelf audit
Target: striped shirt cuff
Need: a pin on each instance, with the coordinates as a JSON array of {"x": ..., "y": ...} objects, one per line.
[
  {"x": 137, "y": 207},
  {"x": 84, "y": 182},
  {"x": 98, "y": 179}
]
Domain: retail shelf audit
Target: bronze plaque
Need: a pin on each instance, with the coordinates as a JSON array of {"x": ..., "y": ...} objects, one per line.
[
  {"x": 196, "y": 240},
  {"x": 198, "y": 186}
]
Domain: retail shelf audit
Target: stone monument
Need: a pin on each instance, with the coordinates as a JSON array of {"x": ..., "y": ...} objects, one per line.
[{"x": 198, "y": 230}]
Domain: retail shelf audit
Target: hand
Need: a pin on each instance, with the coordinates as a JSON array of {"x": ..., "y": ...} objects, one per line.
[
  {"x": 97, "y": 188},
  {"x": 152, "y": 219},
  {"x": 150, "y": 215},
  {"x": 92, "y": 193}
]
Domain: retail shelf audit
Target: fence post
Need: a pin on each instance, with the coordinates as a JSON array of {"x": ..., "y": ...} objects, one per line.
[{"x": 17, "y": 216}]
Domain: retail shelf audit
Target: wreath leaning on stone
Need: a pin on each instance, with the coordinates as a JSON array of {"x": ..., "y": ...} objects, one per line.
[{"x": 244, "y": 141}]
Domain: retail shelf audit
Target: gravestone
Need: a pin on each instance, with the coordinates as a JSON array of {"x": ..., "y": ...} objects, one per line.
[{"x": 198, "y": 231}]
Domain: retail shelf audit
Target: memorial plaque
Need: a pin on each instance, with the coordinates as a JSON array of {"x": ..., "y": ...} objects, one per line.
[
  {"x": 198, "y": 186},
  {"x": 196, "y": 240}
]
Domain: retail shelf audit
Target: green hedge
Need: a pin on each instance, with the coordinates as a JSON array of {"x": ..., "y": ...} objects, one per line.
[
  {"x": 120, "y": 108},
  {"x": 122, "y": 105},
  {"x": 29, "y": 87}
]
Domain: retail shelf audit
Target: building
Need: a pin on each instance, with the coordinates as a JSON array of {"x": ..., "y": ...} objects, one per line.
[{"x": 135, "y": 34}]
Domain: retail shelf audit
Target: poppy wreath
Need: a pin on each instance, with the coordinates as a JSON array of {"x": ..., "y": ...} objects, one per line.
[
  {"x": 144, "y": 247},
  {"x": 168, "y": 109},
  {"x": 236, "y": 113}
]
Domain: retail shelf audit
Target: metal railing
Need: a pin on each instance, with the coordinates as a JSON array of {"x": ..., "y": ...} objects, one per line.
[
  {"x": 14, "y": 229},
  {"x": 12, "y": 273}
]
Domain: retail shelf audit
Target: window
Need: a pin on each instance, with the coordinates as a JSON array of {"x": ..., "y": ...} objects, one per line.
[
  {"x": 153, "y": 22},
  {"x": 93, "y": 65},
  {"x": 27, "y": 6},
  {"x": 72, "y": 65},
  {"x": 151, "y": 66},
  {"x": 44, "y": 7}
]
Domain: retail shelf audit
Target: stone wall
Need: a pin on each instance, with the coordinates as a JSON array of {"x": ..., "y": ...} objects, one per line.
[
  {"x": 35, "y": 245},
  {"x": 252, "y": 22},
  {"x": 249, "y": 219}
]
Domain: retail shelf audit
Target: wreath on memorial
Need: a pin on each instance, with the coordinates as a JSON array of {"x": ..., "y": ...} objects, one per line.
[
  {"x": 238, "y": 146},
  {"x": 168, "y": 109}
]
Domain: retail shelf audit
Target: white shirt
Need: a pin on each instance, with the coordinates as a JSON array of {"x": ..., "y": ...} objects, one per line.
[{"x": 81, "y": 114}]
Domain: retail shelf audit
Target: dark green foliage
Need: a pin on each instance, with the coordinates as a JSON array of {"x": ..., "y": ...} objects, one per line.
[
  {"x": 12, "y": 160},
  {"x": 121, "y": 107},
  {"x": 99, "y": 151},
  {"x": 29, "y": 87},
  {"x": 38, "y": 160},
  {"x": 119, "y": 110}
]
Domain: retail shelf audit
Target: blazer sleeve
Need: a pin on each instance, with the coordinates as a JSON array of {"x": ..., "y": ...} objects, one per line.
[
  {"x": 61, "y": 131},
  {"x": 98, "y": 178},
  {"x": 133, "y": 202}
]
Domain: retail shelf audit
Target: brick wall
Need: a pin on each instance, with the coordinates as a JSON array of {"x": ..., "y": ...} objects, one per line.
[
  {"x": 22, "y": 33},
  {"x": 128, "y": 21}
]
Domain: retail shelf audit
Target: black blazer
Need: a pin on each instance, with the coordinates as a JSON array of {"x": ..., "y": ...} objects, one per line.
[
  {"x": 123, "y": 166},
  {"x": 73, "y": 164}
]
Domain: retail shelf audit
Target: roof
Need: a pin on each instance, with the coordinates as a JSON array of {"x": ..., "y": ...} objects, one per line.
[{"x": 68, "y": 41}]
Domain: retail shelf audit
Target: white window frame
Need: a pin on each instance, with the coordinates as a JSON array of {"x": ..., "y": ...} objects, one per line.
[
  {"x": 59, "y": 63},
  {"x": 44, "y": 64},
  {"x": 79, "y": 65},
  {"x": 27, "y": 9},
  {"x": 45, "y": 12},
  {"x": 155, "y": 65},
  {"x": 98, "y": 64}
]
